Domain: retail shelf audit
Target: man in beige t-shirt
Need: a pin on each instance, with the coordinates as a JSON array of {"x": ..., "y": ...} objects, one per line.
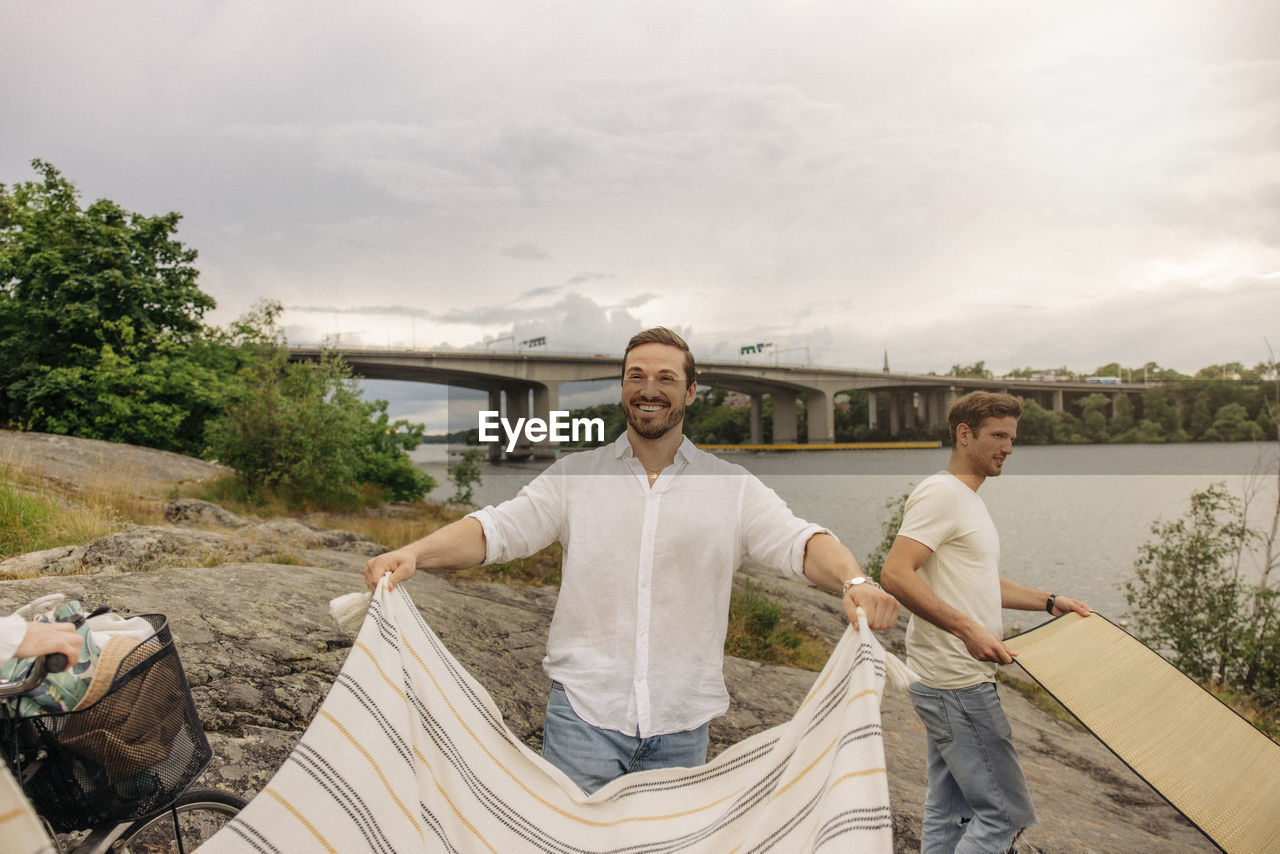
[{"x": 944, "y": 566}]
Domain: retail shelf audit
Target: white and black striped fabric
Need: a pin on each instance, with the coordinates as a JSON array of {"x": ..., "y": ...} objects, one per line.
[{"x": 409, "y": 753}]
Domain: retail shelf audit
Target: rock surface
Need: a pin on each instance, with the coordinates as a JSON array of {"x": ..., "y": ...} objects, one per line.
[{"x": 261, "y": 651}]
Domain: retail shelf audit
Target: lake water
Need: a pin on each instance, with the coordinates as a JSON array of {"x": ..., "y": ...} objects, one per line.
[{"x": 1071, "y": 518}]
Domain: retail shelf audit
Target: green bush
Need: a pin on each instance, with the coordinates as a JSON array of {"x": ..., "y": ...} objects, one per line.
[
  {"x": 1204, "y": 594},
  {"x": 465, "y": 475},
  {"x": 760, "y": 630},
  {"x": 304, "y": 433}
]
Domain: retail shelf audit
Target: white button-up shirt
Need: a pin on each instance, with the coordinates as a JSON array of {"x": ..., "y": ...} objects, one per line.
[
  {"x": 12, "y": 630},
  {"x": 637, "y": 638}
]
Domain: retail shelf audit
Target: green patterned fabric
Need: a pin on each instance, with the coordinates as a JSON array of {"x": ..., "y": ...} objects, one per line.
[{"x": 58, "y": 692}]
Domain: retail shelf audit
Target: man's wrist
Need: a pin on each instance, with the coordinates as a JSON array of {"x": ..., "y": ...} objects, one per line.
[{"x": 857, "y": 581}]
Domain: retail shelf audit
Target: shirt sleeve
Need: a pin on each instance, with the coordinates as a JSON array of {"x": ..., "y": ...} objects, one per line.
[
  {"x": 526, "y": 524},
  {"x": 12, "y": 630},
  {"x": 772, "y": 535},
  {"x": 929, "y": 516}
]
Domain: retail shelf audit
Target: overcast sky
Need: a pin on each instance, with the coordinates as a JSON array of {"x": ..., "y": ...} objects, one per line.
[{"x": 1025, "y": 183}]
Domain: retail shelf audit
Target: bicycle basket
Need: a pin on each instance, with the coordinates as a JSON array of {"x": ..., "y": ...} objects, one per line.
[{"x": 124, "y": 755}]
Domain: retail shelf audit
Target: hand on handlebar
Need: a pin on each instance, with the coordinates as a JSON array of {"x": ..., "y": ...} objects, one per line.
[{"x": 51, "y": 640}]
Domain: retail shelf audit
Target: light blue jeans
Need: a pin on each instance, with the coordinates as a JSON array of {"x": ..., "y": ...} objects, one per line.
[
  {"x": 977, "y": 800},
  {"x": 592, "y": 756}
]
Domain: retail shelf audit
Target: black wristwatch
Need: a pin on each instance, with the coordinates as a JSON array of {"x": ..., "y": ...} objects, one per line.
[{"x": 1048, "y": 604}]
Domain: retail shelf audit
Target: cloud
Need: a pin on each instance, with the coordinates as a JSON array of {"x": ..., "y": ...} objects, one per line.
[
  {"x": 390, "y": 310},
  {"x": 1030, "y": 183},
  {"x": 525, "y": 251}
]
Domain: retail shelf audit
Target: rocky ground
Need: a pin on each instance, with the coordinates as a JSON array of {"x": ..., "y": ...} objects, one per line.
[{"x": 248, "y": 606}]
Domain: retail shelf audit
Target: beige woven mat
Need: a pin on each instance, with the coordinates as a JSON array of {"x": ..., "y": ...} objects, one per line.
[{"x": 1207, "y": 761}]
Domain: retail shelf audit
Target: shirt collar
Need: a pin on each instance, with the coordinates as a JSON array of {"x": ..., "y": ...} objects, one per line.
[{"x": 622, "y": 449}]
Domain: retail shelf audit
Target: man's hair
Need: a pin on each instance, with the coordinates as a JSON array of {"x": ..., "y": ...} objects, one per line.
[
  {"x": 977, "y": 406},
  {"x": 661, "y": 335}
]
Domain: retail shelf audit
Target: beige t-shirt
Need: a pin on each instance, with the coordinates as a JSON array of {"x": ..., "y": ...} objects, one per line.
[{"x": 964, "y": 571}]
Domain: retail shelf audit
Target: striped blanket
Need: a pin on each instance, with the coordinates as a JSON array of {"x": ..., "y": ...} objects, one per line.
[{"x": 409, "y": 753}]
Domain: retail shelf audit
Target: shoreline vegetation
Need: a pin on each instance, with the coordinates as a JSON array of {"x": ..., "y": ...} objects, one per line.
[
  {"x": 102, "y": 336},
  {"x": 35, "y": 516},
  {"x": 1219, "y": 404}
]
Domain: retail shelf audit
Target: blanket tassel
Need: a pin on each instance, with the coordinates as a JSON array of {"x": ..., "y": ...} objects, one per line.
[{"x": 348, "y": 611}]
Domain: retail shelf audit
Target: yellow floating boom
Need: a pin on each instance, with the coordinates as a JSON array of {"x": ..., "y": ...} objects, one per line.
[{"x": 828, "y": 446}]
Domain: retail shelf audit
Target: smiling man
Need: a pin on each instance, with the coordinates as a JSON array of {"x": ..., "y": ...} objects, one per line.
[
  {"x": 944, "y": 566},
  {"x": 652, "y": 530}
]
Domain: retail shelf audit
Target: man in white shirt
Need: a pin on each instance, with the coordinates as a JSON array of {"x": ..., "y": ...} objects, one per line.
[
  {"x": 944, "y": 566},
  {"x": 652, "y": 530}
]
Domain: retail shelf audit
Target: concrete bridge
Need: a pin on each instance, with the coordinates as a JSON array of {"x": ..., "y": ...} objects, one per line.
[{"x": 521, "y": 385}]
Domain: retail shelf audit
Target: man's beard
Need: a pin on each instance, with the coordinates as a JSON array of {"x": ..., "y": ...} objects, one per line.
[{"x": 658, "y": 427}]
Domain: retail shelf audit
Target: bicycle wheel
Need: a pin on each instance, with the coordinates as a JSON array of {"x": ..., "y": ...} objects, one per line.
[{"x": 197, "y": 815}]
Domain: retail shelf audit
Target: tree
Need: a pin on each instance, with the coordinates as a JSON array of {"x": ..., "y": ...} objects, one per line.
[
  {"x": 465, "y": 475},
  {"x": 1231, "y": 423},
  {"x": 1122, "y": 420},
  {"x": 1035, "y": 427},
  {"x": 977, "y": 369},
  {"x": 1205, "y": 588},
  {"x": 1187, "y": 592},
  {"x": 100, "y": 320},
  {"x": 709, "y": 421},
  {"x": 1201, "y": 416},
  {"x": 1093, "y": 416},
  {"x": 1157, "y": 408},
  {"x": 304, "y": 433},
  {"x": 889, "y": 528}
]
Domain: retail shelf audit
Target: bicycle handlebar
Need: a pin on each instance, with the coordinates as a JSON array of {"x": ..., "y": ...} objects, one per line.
[{"x": 45, "y": 664}]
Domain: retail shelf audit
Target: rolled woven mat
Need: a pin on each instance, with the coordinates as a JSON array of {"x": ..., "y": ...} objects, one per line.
[{"x": 1211, "y": 764}]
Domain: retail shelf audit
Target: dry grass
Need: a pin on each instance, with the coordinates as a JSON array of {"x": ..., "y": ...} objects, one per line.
[
  {"x": 35, "y": 515},
  {"x": 40, "y": 512},
  {"x": 537, "y": 570},
  {"x": 392, "y": 526},
  {"x": 402, "y": 524}
]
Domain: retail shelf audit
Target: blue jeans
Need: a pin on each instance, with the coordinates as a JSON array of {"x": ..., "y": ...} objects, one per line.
[
  {"x": 592, "y": 756},
  {"x": 977, "y": 800}
]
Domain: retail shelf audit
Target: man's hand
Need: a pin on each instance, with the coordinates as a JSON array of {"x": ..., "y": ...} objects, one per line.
[
  {"x": 881, "y": 608},
  {"x": 1063, "y": 604},
  {"x": 48, "y": 638},
  {"x": 457, "y": 545},
  {"x": 400, "y": 564},
  {"x": 985, "y": 646}
]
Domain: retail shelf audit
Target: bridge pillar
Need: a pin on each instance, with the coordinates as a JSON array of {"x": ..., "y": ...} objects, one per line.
[
  {"x": 546, "y": 397},
  {"x": 895, "y": 403},
  {"x": 1058, "y": 405},
  {"x": 937, "y": 408},
  {"x": 872, "y": 415},
  {"x": 518, "y": 407},
  {"x": 785, "y": 429},
  {"x": 495, "y": 405},
  {"x": 820, "y": 409},
  {"x": 757, "y": 419}
]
